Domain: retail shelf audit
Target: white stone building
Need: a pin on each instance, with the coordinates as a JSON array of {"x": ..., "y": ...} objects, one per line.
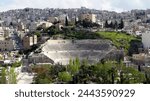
[{"x": 146, "y": 39}]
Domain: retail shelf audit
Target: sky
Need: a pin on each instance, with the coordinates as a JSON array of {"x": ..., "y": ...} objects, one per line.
[{"x": 112, "y": 5}]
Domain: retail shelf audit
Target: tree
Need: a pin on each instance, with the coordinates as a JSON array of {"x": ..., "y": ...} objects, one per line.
[
  {"x": 66, "y": 22},
  {"x": 134, "y": 47},
  {"x": 131, "y": 75},
  {"x": 75, "y": 20},
  {"x": 42, "y": 74},
  {"x": 37, "y": 33},
  {"x": 107, "y": 73},
  {"x": 74, "y": 66},
  {"x": 106, "y": 24},
  {"x": 12, "y": 77},
  {"x": 64, "y": 76},
  {"x": 16, "y": 64},
  {"x": 3, "y": 76},
  {"x": 83, "y": 76},
  {"x": 121, "y": 25},
  {"x": 11, "y": 24},
  {"x": 86, "y": 23},
  {"x": 116, "y": 25},
  {"x": 111, "y": 25},
  {"x": 42, "y": 78},
  {"x": 147, "y": 75},
  {"x": 52, "y": 30}
]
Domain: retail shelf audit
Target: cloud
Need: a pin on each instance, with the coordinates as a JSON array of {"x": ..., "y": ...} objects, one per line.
[
  {"x": 117, "y": 5},
  {"x": 15, "y": 4}
]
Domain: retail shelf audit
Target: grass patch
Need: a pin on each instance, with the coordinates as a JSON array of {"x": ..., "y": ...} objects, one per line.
[{"x": 119, "y": 39}]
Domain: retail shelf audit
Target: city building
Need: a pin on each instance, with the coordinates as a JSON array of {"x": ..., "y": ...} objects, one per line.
[
  {"x": 33, "y": 26},
  {"x": 6, "y": 45},
  {"x": 146, "y": 40},
  {"x": 89, "y": 17},
  {"x": 59, "y": 26},
  {"x": 21, "y": 26},
  {"x": 62, "y": 19},
  {"x": 28, "y": 41},
  {"x": 53, "y": 19},
  {"x": 1, "y": 34}
]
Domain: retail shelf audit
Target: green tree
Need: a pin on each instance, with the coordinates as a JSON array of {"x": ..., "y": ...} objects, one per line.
[
  {"x": 16, "y": 64},
  {"x": 52, "y": 30},
  {"x": 130, "y": 76},
  {"x": 42, "y": 74},
  {"x": 76, "y": 21},
  {"x": 3, "y": 76},
  {"x": 107, "y": 72},
  {"x": 106, "y": 24},
  {"x": 74, "y": 66},
  {"x": 11, "y": 24},
  {"x": 121, "y": 25},
  {"x": 116, "y": 25},
  {"x": 42, "y": 78},
  {"x": 37, "y": 33},
  {"x": 66, "y": 21},
  {"x": 12, "y": 77},
  {"x": 146, "y": 71},
  {"x": 64, "y": 76},
  {"x": 111, "y": 25}
]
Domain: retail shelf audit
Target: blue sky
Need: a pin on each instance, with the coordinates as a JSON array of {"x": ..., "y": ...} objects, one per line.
[
  {"x": 5, "y": 2},
  {"x": 116, "y": 5}
]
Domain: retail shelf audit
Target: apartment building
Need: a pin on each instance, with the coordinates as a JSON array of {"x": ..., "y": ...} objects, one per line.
[
  {"x": 21, "y": 26},
  {"x": 28, "y": 41},
  {"x": 1, "y": 33},
  {"x": 89, "y": 17},
  {"x": 6, "y": 45},
  {"x": 146, "y": 40}
]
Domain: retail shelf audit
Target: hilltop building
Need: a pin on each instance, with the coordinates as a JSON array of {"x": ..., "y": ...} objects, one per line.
[{"x": 89, "y": 17}]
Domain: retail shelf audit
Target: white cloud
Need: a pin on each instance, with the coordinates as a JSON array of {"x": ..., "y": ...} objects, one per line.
[{"x": 117, "y": 5}]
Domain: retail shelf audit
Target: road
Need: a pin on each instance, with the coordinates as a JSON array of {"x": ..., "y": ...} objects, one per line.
[{"x": 24, "y": 77}]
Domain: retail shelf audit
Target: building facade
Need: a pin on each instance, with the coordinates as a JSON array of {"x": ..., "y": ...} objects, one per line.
[
  {"x": 89, "y": 17},
  {"x": 6, "y": 45},
  {"x": 28, "y": 41},
  {"x": 146, "y": 40}
]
